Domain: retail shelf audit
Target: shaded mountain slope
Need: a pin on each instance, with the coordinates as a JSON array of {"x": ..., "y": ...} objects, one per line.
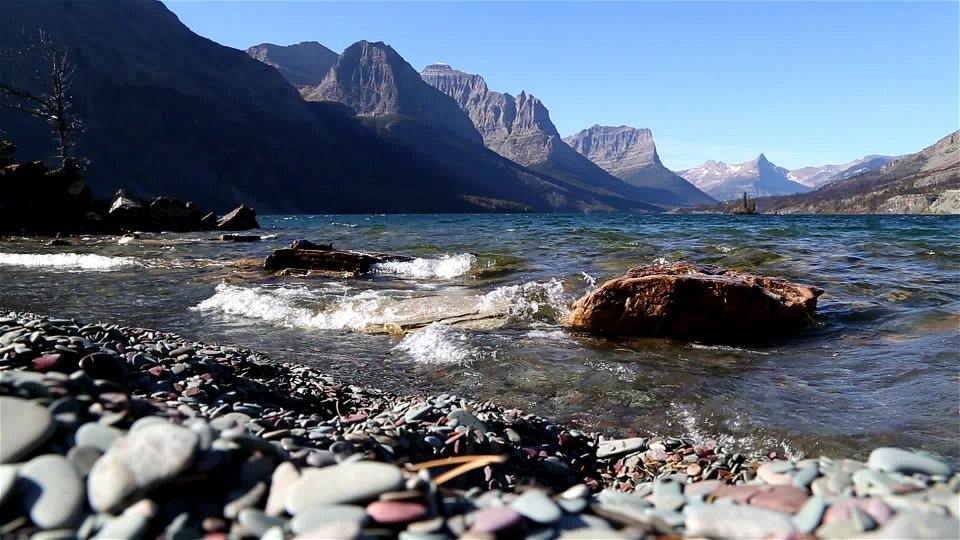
[{"x": 302, "y": 64}]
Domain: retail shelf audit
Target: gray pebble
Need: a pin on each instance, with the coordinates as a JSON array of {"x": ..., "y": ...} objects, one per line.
[
  {"x": 612, "y": 448},
  {"x": 809, "y": 517},
  {"x": 898, "y": 460},
  {"x": 25, "y": 427},
  {"x": 536, "y": 506},
  {"x": 343, "y": 483},
  {"x": 312, "y": 517},
  {"x": 97, "y": 436},
  {"x": 736, "y": 522},
  {"x": 52, "y": 492},
  {"x": 257, "y": 522}
]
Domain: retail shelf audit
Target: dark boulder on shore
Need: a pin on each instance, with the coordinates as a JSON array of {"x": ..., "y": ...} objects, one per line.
[
  {"x": 169, "y": 214},
  {"x": 698, "y": 302},
  {"x": 37, "y": 200},
  {"x": 241, "y": 218},
  {"x": 305, "y": 256}
]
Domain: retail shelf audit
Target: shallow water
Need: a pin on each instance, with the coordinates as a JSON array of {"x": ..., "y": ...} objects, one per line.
[{"x": 880, "y": 368}]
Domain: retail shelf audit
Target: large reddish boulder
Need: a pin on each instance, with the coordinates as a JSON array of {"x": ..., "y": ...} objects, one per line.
[{"x": 697, "y": 302}]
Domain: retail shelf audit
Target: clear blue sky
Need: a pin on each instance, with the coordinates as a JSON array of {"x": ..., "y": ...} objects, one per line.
[{"x": 807, "y": 83}]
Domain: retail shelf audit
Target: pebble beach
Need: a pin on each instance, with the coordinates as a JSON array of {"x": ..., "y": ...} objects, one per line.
[{"x": 122, "y": 432}]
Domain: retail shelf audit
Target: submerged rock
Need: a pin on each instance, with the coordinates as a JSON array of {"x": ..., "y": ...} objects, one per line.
[
  {"x": 307, "y": 256},
  {"x": 699, "y": 302}
]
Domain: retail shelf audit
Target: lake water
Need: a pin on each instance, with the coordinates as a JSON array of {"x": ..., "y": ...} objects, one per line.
[{"x": 880, "y": 367}]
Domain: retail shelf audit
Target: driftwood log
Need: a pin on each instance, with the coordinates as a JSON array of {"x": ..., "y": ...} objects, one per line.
[{"x": 307, "y": 256}]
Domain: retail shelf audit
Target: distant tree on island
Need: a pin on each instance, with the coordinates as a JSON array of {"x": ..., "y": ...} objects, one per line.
[
  {"x": 45, "y": 93},
  {"x": 747, "y": 206}
]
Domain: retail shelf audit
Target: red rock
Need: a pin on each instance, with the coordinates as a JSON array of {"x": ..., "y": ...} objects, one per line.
[
  {"x": 45, "y": 363},
  {"x": 741, "y": 494},
  {"x": 787, "y": 499},
  {"x": 840, "y": 510},
  {"x": 493, "y": 520},
  {"x": 692, "y": 301},
  {"x": 396, "y": 512}
]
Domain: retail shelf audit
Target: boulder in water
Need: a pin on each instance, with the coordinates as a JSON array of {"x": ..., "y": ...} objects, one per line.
[
  {"x": 309, "y": 257},
  {"x": 241, "y": 218},
  {"x": 697, "y": 302}
]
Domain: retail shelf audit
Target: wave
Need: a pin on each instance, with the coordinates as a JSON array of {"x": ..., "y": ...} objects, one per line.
[
  {"x": 438, "y": 344},
  {"x": 69, "y": 261},
  {"x": 745, "y": 438},
  {"x": 283, "y": 306},
  {"x": 536, "y": 301},
  {"x": 444, "y": 267}
]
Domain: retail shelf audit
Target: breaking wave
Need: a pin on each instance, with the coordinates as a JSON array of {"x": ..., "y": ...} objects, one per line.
[
  {"x": 438, "y": 344},
  {"x": 533, "y": 300},
  {"x": 444, "y": 267},
  {"x": 69, "y": 261}
]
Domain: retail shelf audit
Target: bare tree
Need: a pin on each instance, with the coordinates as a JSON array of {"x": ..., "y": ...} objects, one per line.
[{"x": 46, "y": 94}]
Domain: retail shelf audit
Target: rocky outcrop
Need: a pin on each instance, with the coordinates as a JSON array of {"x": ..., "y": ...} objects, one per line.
[
  {"x": 631, "y": 155},
  {"x": 240, "y": 219},
  {"x": 306, "y": 257},
  {"x": 757, "y": 178},
  {"x": 374, "y": 80},
  {"x": 927, "y": 182},
  {"x": 696, "y": 302},
  {"x": 303, "y": 64},
  {"x": 169, "y": 214},
  {"x": 37, "y": 200},
  {"x": 519, "y": 128}
]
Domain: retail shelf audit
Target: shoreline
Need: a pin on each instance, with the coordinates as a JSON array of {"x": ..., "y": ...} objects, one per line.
[{"x": 254, "y": 430}]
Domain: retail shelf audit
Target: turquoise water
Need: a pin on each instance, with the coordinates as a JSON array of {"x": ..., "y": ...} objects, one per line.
[{"x": 880, "y": 367}]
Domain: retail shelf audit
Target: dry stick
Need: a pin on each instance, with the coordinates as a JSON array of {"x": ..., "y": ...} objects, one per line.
[{"x": 469, "y": 463}]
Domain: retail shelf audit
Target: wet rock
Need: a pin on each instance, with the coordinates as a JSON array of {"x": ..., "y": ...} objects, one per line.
[
  {"x": 691, "y": 301},
  {"x": 345, "y": 261},
  {"x": 241, "y": 218}
]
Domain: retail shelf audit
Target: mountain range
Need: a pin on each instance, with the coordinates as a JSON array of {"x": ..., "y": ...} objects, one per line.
[
  {"x": 925, "y": 182},
  {"x": 300, "y": 128}
]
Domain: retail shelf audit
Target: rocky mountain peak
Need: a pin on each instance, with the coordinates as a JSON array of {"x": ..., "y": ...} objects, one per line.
[
  {"x": 303, "y": 64},
  {"x": 374, "y": 80},
  {"x": 758, "y": 177},
  {"x": 617, "y": 149}
]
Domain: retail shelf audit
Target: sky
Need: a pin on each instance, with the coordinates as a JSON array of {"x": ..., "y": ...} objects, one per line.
[{"x": 806, "y": 83}]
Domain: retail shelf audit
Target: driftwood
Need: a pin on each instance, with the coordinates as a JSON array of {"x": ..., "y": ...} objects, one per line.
[{"x": 306, "y": 256}]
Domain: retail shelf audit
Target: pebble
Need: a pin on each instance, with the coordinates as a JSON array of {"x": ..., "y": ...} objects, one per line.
[
  {"x": 283, "y": 477},
  {"x": 492, "y": 520},
  {"x": 257, "y": 522},
  {"x": 343, "y": 483},
  {"x": 668, "y": 494},
  {"x": 53, "y": 493},
  {"x": 918, "y": 525},
  {"x": 396, "y": 512},
  {"x": 139, "y": 461},
  {"x": 902, "y": 461},
  {"x": 536, "y": 506},
  {"x": 810, "y": 516},
  {"x": 619, "y": 447},
  {"x": 312, "y": 517},
  {"x": 25, "y": 427},
  {"x": 97, "y": 436},
  {"x": 8, "y": 477},
  {"x": 736, "y": 522}
]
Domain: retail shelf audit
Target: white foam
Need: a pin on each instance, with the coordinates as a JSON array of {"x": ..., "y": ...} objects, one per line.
[
  {"x": 280, "y": 306},
  {"x": 530, "y": 301},
  {"x": 437, "y": 344},
  {"x": 445, "y": 267},
  {"x": 751, "y": 442},
  {"x": 69, "y": 261}
]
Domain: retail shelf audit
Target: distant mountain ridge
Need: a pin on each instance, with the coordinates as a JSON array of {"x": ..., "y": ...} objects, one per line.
[
  {"x": 816, "y": 176},
  {"x": 519, "y": 128},
  {"x": 925, "y": 182},
  {"x": 630, "y": 154},
  {"x": 758, "y": 178},
  {"x": 303, "y": 64}
]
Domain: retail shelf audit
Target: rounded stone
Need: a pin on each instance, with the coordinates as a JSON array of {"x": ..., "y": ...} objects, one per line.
[
  {"x": 83, "y": 458},
  {"x": 25, "y": 427},
  {"x": 319, "y": 516},
  {"x": 491, "y": 520},
  {"x": 343, "y": 483},
  {"x": 339, "y": 530},
  {"x": 139, "y": 461},
  {"x": 396, "y": 512},
  {"x": 536, "y": 506},
  {"x": 97, "y": 436},
  {"x": 902, "y": 461},
  {"x": 52, "y": 492}
]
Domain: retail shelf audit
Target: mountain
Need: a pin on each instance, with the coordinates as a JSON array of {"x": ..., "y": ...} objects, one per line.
[
  {"x": 631, "y": 155},
  {"x": 374, "y": 80},
  {"x": 925, "y": 182},
  {"x": 758, "y": 178},
  {"x": 816, "y": 176},
  {"x": 519, "y": 128},
  {"x": 303, "y": 64}
]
